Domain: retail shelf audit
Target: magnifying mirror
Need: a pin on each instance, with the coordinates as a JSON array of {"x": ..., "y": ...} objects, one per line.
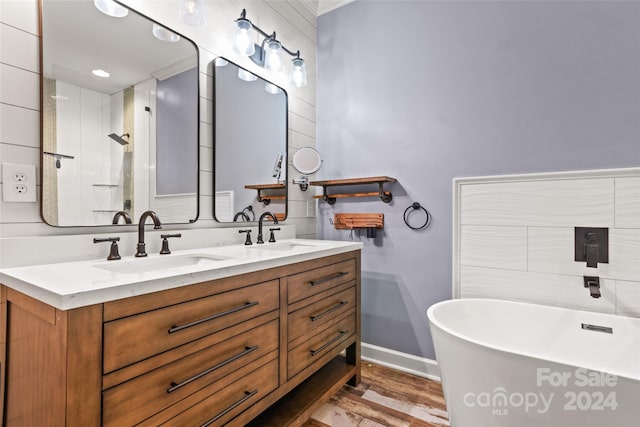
[{"x": 306, "y": 160}]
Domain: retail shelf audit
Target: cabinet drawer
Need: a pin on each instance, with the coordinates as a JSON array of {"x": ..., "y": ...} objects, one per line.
[
  {"x": 224, "y": 405},
  {"x": 134, "y": 338},
  {"x": 142, "y": 397},
  {"x": 303, "y": 285},
  {"x": 317, "y": 314},
  {"x": 318, "y": 345}
]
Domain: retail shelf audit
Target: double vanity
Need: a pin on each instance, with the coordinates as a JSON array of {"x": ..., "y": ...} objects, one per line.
[{"x": 229, "y": 335}]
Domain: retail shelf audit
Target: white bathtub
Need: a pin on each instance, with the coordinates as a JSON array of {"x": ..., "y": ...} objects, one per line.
[{"x": 515, "y": 364}]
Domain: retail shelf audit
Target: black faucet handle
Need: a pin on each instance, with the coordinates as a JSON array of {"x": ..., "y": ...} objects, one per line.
[
  {"x": 248, "y": 241},
  {"x": 113, "y": 250},
  {"x": 272, "y": 237},
  {"x": 165, "y": 242}
]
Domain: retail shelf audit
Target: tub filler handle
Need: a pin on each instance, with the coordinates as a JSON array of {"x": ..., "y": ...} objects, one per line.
[{"x": 597, "y": 328}]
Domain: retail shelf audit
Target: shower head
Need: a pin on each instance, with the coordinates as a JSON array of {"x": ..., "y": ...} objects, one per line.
[{"x": 119, "y": 139}]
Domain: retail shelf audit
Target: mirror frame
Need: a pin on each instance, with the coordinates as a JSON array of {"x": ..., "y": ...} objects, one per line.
[
  {"x": 41, "y": 122},
  {"x": 286, "y": 144}
]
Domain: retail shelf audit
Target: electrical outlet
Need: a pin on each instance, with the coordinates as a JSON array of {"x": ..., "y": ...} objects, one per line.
[{"x": 18, "y": 183}]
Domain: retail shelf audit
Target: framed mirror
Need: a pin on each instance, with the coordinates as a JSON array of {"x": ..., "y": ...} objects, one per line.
[
  {"x": 120, "y": 116},
  {"x": 250, "y": 145}
]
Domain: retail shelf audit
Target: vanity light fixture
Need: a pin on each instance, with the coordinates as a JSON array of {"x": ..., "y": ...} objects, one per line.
[
  {"x": 163, "y": 34},
  {"x": 192, "y": 13},
  {"x": 268, "y": 53},
  {"x": 100, "y": 73},
  {"x": 246, "y": 75},
  {"x": 271, "y": 88},
  {"x": 111, "y": 8}
]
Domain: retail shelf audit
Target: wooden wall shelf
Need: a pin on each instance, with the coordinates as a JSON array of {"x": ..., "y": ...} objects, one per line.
[
  {"x": 266, "y": 199},
  {"x": 385, "y": 196}
]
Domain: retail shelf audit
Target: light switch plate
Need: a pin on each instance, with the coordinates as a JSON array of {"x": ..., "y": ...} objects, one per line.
[{"x": 19, "y": 183}]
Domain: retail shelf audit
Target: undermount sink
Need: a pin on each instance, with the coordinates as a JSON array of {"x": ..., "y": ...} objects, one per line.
[
  {"x": 144, "y": 265},
  {"x": 285, "y": 246}
]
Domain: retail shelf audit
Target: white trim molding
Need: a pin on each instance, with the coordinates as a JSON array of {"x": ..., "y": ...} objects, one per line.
[{"x": 404, "y": 362}]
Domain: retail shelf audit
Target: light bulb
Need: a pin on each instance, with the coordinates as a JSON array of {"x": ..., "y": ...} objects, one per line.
[
  {"x": 192, "y": 13},
  {"x": 111, "y": 8},
  {"x": 161, "y": 33},
  {"x": 246, "y": 75},
  {"x": 271, "y": 88},
  {"x": 242, "y": 43},
  {"x": 298, "y": 72},
  {"x": 272, "y": 58}
]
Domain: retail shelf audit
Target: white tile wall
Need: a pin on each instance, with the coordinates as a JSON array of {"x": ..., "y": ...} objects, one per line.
[
  {"x": 514, "y": 238},
  {"x": 20, "y": 95}
]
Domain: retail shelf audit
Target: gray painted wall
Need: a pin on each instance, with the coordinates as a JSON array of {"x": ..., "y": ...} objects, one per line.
[
  {"x": 177, "y": 116},
  {"x": 428, "y": 91}
]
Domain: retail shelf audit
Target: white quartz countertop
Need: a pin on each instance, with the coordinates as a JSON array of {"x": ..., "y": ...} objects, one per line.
[{"x": 76, "y": 284}]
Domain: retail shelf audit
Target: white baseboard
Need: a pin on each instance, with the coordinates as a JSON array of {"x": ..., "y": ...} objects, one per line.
[{"x": 404, "y": 362}]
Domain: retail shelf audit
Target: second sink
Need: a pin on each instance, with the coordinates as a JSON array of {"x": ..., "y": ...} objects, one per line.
[{"x": 159, "y": 263}]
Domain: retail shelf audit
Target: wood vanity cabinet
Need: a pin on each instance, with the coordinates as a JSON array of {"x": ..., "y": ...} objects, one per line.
[{"x": 262, "y": 348}]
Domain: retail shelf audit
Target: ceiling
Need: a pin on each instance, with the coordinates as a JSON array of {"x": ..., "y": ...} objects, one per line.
[{"x": 320, "y": 7}]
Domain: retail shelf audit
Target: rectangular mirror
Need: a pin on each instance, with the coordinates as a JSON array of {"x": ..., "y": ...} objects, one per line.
[
  {"x": 250, "y": 145},
  {"x": 120, "y": 116}
]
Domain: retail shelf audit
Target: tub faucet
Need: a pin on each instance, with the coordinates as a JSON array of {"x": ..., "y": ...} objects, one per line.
[
  {"x": 260, "y": 240},
  {"x": 156, "y": 225},
  {"x": 593, "y": 283}
]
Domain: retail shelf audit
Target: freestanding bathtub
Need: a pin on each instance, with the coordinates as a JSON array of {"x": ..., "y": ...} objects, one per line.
[{"x": 513, "y": 364}]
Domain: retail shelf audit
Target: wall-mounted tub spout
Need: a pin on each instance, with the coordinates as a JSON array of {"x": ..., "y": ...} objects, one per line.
[{"x": 593, "y": 283}]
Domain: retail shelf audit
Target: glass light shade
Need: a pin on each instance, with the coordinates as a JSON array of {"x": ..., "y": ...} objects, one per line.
[
  {"x": 298, "y": 72},
  {"x": 161, "y": 33},
  {"x": 111, "y": 8},
  {"x": 192, "y": 13},
  {"x": 272, "y": 58},
  {"x": 246, "y": 75},
  {"x": 221, "y": 62},
  {"x": 242, "y": 42},
  {"x": 271, "y": 88}
]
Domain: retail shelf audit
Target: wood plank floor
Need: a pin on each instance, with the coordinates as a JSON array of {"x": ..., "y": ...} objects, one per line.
[{"x": 384, "y": 398}]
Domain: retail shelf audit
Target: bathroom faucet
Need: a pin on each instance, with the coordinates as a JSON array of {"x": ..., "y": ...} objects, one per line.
[
  {"x": 592, "y": 250},
  {"x": 593, "y": 283},
  {"x": 121, "y": 214},
  {"x": 259, "y": 240},
  {"x": 156, "y": 225}
]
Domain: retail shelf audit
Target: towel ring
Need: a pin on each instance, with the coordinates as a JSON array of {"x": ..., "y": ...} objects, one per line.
[{"x": 415, "y": 206}]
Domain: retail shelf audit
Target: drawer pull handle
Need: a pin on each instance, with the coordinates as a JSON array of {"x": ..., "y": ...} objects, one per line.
[
  {"x": 328, "y": 278},
  {"x": 334, "y": 308},
  {"x": 247, "y": 395},
  {"x": 174, "y": 386},
  {"x": 314, "y": 352},
  {"x": 212, "y": 317}
]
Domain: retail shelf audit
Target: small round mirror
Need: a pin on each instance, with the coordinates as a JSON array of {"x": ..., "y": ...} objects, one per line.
[{"x": 307, "y": 160}]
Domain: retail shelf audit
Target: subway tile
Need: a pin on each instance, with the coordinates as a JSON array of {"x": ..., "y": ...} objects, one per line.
[
  {"x": 19, "y": 48},
  {"x": 19, "y": 87},
  {"x": 20, "y": 126},
  {"x": 302, "y": 125},
  {"x": 627, "y": 204},
  {"x": 206, "y": 183},
  {"x": 554, "y": 203},
  {"x": 12, "y": 212},
  {"x": 539, "y": 288},
  {"x": 551, "y": 250},
  {"x": 299, "y": 140},
  {"x": 206, "y": 110},
  {"x": 206, "y": 86},
  {"x": 494, "y": 247},
  {"x": 628, "y": 298}
]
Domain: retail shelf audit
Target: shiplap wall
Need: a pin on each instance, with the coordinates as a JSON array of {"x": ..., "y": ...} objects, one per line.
[
  {"x": 296, "y": 26},
  {"x": 514, "y": 238}
]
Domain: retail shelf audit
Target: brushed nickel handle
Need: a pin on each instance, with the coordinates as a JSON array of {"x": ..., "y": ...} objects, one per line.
[
  {"x": 328, "y": 278},
  {"x": 334, "y": 308},
  {"x": 327, "y": 344},
  {"x": 212, "y": 317},
  {"x": 247, "y": 396},
  {"x": 175, "y": 386}
]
